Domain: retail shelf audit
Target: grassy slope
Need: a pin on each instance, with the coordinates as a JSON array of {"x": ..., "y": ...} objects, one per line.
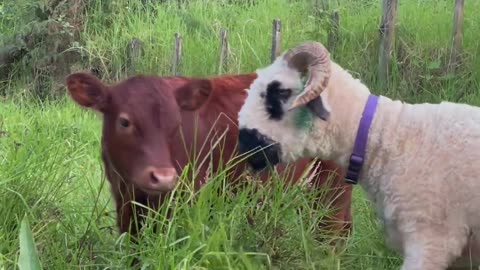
[{"x": 50, "y": 164}]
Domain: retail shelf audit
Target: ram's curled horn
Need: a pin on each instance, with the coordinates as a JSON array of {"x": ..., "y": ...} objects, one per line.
[{"x": 314, "y": 58}]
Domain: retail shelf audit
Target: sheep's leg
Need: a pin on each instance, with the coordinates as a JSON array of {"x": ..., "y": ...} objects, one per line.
[
  {"x": 470, "y": 256},
  {"x": 427, "y": 251}
]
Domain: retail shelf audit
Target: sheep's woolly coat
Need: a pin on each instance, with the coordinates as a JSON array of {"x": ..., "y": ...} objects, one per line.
[
  {"x": 422, "y": 167},
  {"x": 422, "y": 172}
]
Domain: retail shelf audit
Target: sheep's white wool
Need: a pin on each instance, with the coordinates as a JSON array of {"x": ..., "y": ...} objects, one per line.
[{"x": 422, "y": 164}]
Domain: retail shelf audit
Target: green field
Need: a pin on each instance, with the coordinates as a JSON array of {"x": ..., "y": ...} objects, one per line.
[{"x": 50, "y": 167}]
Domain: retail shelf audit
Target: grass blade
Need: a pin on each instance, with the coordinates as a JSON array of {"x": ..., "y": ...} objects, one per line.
[{"x": 28, "y": 259}]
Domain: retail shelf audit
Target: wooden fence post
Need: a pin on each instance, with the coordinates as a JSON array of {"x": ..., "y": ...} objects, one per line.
[
  {"x": 223, "y": 51},
  {"x": 333, "y": 34},
  {"x": 177, "y": 55},
  {"x": 135, "y": 50},
  {"x": 457, "y": 35},
  {"x": 387, "y": 32},
  {"x": 326, "y": 5},
  {"x": 276, "y": 39},
  {"x": 321, "y": 7}
]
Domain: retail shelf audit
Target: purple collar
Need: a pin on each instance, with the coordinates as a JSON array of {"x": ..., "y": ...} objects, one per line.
[{"x": 358, "y": 155}]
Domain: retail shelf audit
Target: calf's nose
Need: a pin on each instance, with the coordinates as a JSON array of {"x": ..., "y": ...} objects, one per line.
[{"x": 159, "y": 179}]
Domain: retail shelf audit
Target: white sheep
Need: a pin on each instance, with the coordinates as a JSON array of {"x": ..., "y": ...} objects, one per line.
[{"x": 419, "y": 164}]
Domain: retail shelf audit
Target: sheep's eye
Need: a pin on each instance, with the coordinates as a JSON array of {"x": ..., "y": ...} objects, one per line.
[
  {"x": 284, "y": 93},
  {"x": 124, "y": 122}
]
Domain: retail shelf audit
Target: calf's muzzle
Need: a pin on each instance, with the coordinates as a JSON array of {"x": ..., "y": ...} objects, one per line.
[{"x": 156, "y": 180}]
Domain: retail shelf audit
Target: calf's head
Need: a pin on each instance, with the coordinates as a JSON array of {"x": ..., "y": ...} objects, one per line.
[
  {"x": 141, "y": 116},
  {"x": 283, "y": 104}
]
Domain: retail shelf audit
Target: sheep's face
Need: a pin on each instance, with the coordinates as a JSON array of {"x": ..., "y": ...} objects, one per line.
[
  {"x": 267, "y": 124},
  {"x": 274, "y": 126}
]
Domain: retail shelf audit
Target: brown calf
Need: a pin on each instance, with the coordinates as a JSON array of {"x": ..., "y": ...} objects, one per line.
[{"x": 149, "y": 128}]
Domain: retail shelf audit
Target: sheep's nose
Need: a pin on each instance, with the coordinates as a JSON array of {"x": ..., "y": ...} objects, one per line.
[{"x": 260, "y": 150}]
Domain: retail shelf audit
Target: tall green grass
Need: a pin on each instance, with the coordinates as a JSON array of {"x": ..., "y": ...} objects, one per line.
[
  {"x": 422, "y": 44},
  {"x": 51, "y": 171},
  {"x": 50, "y": 168}
]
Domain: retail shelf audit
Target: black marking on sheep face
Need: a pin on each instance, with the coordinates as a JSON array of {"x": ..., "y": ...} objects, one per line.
[
  {"x": 251, "y": 141},
  {"x": 275, "y": 97}
]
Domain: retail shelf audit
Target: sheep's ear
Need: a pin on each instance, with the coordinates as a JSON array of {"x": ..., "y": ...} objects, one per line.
[
  {"x": 320, "y": 107},
  {"x": 194, "y": 94}
]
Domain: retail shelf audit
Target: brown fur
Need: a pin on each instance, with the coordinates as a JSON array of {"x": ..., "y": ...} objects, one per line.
[{"x": 162, "y": 111}]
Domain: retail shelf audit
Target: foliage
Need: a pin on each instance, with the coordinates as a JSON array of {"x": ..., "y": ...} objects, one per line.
[
  {"x": 39, "y": 49},
  {"x": 50, "y": 163}
]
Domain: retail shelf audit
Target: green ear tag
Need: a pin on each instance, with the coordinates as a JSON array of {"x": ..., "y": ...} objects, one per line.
[{"x": 303, "y": 116}]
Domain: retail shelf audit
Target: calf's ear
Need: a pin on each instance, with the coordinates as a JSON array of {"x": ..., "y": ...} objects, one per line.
[
  {"x": 194, "y": 94},
  {"x": 87, "y": 90}
]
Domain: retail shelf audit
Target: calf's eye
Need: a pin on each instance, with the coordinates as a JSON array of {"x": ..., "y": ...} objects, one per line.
[{"x": 124, "y": 122}]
